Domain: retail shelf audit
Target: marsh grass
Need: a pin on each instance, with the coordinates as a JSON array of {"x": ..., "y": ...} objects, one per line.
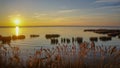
[{"x": 62, "y": 56}]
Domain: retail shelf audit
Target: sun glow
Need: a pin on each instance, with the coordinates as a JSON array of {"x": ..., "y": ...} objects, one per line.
[{"x": 17, "y": 21}]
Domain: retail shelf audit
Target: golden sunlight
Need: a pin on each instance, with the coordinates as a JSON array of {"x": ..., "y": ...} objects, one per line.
[
  {"x": 17, "y": 30},
  {"x": 17, "y": 21}
]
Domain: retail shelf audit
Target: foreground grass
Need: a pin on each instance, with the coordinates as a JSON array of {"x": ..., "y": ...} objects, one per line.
[{"x": 62, "y": 56}]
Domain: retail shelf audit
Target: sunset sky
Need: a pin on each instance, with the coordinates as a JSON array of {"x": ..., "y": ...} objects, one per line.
[{"x": 60, "y": 12}]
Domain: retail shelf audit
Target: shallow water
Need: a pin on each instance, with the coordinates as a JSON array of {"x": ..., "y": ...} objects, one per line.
[{"x": 65, "y": 32}]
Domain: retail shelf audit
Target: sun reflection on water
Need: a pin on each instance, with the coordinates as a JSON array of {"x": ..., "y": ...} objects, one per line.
[{"x": 17, "y": 30}]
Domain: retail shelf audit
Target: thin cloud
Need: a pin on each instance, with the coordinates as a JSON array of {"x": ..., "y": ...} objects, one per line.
[
  {"x": 43, "y": 14},
  {"x": 39, "y": 15},
  {"x": 107, "y": 4},
  {"x": 110, "y": 7},
  {"x": 101, "y": 1},
  {"x": 67, "y": 11},
  {"x": 14, "y": 15}
]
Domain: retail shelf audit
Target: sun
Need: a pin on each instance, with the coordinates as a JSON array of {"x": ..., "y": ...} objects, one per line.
[{"x": 17, "y": 21}]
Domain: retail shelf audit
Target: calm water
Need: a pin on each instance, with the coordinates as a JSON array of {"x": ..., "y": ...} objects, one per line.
[{"x": 65, "y": 32}]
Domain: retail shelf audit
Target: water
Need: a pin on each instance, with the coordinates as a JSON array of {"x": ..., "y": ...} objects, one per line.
[{"x": 65, "y": 32}]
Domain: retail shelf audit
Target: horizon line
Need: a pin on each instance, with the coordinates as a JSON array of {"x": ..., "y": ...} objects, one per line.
[{"x": 57, "y": 26}]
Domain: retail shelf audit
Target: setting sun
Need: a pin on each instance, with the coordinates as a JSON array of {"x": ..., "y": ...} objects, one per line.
[{"x": 17, "y": 21}]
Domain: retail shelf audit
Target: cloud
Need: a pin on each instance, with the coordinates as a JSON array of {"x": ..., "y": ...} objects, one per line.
[
  {"x": 39, "y": 15},
  {"x": 67, "y": 11},
  {"x": 107, "y": 4},
  {"x": 43, "y": 14},
  {"x": 101, "y": 1},
  {"x": 14, "y": 15},
  {"x": 110, "y": 7},
  {"x": 59, "y": 19}
]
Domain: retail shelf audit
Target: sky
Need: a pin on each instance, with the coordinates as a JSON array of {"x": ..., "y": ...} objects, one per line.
[{"x": 60, "y": 12}]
